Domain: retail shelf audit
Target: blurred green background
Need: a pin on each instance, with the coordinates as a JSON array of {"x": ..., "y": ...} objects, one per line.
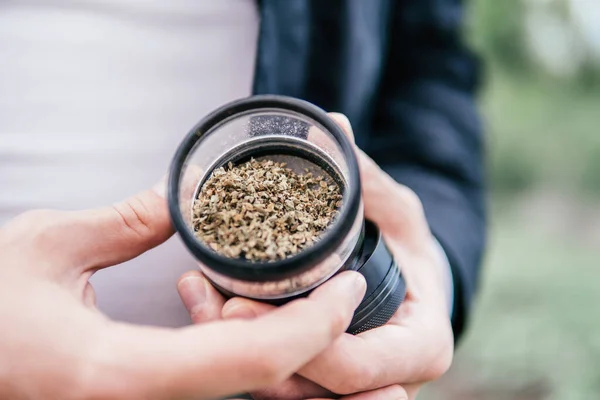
[{"x": 535, "y": 331}]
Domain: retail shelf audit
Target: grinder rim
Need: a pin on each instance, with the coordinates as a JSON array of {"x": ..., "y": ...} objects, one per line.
[{"x": 241, "y": 269}]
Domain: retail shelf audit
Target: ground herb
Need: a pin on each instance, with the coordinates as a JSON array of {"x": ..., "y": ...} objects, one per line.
[{"x": 263, "y": 211}]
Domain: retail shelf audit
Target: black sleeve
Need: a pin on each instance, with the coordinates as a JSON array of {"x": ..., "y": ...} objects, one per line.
[{"x": 426, "y": 133}]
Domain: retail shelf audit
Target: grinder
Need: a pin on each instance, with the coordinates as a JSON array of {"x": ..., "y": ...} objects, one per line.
[{"x": 285, "y": 129}]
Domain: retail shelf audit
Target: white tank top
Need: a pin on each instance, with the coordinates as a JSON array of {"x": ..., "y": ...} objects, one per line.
[{"x": 95, "y": 96}]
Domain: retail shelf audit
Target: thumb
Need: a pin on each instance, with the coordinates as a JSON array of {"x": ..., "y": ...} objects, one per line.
[
  {"x": 344, "y": 123},
  {"x": 395, "y": 208},
  {"x": 381, "y": 192},
  {"x": 114, "y": 234}
]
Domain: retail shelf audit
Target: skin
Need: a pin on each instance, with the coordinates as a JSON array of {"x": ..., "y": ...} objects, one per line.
[
  {"x": 56, "y": 345},
  {"x": 416, "y": 346}
]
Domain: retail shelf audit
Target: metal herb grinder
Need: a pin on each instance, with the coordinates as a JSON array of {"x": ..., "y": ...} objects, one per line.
[{"x": 302, "y": 135}]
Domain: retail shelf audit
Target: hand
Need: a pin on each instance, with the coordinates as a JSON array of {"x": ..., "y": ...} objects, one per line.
[
  {"x": 54, "y": 344},
  {"x": 416, "y": 346}
]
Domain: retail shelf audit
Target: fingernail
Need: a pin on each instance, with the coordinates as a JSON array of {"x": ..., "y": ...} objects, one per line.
[
  {"x": 192, "y": 291},
  {"x": 359, "y": 286},
  {"x": 161, "y": 187}
]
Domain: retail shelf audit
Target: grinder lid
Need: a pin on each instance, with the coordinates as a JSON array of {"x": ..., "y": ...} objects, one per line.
[{"x": 293, "y": 117}]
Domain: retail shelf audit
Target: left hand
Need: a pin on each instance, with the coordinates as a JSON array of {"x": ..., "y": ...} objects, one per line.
[{"x": 414, "y": 347}]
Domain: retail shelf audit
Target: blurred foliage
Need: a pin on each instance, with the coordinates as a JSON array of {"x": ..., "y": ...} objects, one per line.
[
  {"x": 497, "y": 31},
  {"x": 541, "y": 128},
  {"x": 533, "y": 335},
  {"x": 542, "y": 134}
]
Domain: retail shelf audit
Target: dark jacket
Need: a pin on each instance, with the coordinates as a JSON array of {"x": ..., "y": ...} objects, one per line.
[{"x": 399, "y": 71}]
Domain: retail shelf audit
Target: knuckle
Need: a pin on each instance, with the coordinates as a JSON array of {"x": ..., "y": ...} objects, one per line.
[
  {"x": 438, "y": 367},
  {"x": 134, "y": 217},
  {"x": 41, "y": 237},
  {"x": 35, "y": 219},
  {"x": 409, "y": 199},
  {"x": 39, "y": 227},
  {"x": 33, "y": 216},
  {"x": 198, "y": 314},
  {"x": 441, "y": 358},
  {"x": 339, "y": 321},
  {"x": 357, "y": 377},
  {"x": 362, "y": 378}
]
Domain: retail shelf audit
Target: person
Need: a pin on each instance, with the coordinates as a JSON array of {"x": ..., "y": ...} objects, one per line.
[{"x": 96, "y": 96}]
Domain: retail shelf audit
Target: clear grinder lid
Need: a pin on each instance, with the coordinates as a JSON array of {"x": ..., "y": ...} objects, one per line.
[{"x": 279, "y": 128}]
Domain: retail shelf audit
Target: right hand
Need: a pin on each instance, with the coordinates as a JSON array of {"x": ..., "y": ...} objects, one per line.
[{"x": 54, "y": 343}]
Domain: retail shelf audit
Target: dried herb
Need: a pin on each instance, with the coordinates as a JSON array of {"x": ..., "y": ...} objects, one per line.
[{"x": 263, "y": 211}]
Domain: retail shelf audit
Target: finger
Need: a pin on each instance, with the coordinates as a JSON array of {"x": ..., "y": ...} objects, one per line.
[
  {"x": 233, "y": 356},
  {"x": 239, "y": 307},
  {"x": 202, "y": 301},
  {"x": 324, "y": 140},
  {"x": 294, "y": 388},
  {"x": 394, "y": 392},
  {"x": 408, "y": 216},
  {"x": 115, "y": 234},
  {"x": 93, "y": 239},
  {"x": 413, "y": 390},
  {"x": 111, "y": 235},
  {"x": 344, "y": 123},
  {"x": 403, "y": 216},
  {"x": 382, "y": 357},
  {"x": 97, "y": 238}
]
